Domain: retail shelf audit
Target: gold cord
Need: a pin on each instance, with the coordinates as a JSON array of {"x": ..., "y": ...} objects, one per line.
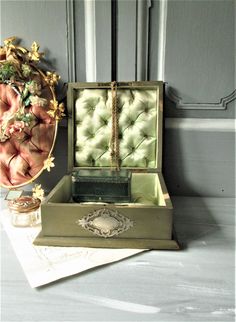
[{"x": 115, "y": 147}]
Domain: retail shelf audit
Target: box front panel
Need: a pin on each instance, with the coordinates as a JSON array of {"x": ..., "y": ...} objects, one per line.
[
  {"x": 107, "y": 222},
  {"x": 148, "y": 217}
]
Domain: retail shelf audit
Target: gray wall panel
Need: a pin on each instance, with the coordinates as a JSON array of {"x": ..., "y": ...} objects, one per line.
[
  {"x": 126, "y": 41},
  {"x": 79, "y": 41},
  {"x": 41, "y": 21},
  {"x": 172, "y": 111},
  {"x": 103, "y": 40},
  {"x": 199, "y": 157},
  {"x": 200, "y": 49},
  {"x": 200, "y": 56},
  {"x": 153, "y": 40}
]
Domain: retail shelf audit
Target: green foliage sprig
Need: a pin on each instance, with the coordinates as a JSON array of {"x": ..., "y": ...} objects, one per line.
[{"x": 7, "y": 71}]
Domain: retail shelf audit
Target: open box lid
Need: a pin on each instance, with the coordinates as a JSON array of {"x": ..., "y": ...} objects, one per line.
[{"x": 130, "y": 112}]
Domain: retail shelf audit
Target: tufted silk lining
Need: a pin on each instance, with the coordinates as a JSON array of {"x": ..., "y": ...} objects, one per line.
[
  {"x": 138, "y": 119},
  {"x": 23, "y": 159}
]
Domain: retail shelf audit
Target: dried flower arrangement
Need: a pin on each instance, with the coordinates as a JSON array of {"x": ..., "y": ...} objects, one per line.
[
  {"x": 32, "y": 93},
  {"x": 18, "y": 69}
]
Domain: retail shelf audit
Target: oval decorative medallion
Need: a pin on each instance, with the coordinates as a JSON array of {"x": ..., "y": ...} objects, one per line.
[{"x": 105, "y": 222}]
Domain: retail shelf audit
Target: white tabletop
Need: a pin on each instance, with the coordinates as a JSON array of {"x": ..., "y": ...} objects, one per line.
[{"x": 193, "y": 284}]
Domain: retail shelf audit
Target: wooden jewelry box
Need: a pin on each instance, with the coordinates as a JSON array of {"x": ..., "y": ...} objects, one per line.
[{"x": 113, "y": 126}]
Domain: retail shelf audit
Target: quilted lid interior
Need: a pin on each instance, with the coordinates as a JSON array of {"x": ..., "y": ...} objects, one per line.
[{"x": 139, "y": 120}]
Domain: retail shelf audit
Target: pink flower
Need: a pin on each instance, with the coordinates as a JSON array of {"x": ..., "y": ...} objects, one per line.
[{"x": 16, "y": 129}]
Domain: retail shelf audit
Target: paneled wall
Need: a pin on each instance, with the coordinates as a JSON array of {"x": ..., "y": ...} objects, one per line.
[
  {"x": 42, "y": 21},
  {"x": 199, "y": 60},
  {"x": 188, "y": 44}
]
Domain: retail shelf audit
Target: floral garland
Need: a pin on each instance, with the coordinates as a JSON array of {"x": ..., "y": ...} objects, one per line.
[{"x": 18, "y": 69}]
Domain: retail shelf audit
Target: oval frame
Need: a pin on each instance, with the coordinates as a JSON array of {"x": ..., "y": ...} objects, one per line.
[{"x": 56, "y": 119}]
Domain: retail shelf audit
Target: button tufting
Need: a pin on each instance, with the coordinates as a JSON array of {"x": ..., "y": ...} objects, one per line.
[
  {"x": 29, "y": 146},
  {"x": 92, "y": 108},
  {"x": 133, "y": 136},
  {"x": 132, "y": 123}
]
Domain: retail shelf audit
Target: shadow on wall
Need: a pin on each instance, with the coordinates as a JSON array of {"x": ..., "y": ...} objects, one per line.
[
  {"x": 195, "y": 220},
  {"x": 199, "y": 157},
  {"x": 191, "y": 214},
  {"x": 48, "y": 180}
]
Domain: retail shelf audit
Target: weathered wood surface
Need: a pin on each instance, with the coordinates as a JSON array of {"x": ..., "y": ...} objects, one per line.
[{"x": 194, "y": 284}]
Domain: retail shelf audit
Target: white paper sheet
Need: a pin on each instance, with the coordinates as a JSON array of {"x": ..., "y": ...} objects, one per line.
[{"x": 43, "y": 265}]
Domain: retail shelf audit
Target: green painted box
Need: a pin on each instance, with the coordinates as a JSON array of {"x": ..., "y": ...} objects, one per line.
[{"x": 113, "y": 126}]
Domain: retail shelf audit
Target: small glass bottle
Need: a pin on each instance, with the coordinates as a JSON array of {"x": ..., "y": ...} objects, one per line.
[{"x": 25, "y": 211}]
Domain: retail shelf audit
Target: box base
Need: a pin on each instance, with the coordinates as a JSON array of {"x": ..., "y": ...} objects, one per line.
[{"x": 164, "y": 244}]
